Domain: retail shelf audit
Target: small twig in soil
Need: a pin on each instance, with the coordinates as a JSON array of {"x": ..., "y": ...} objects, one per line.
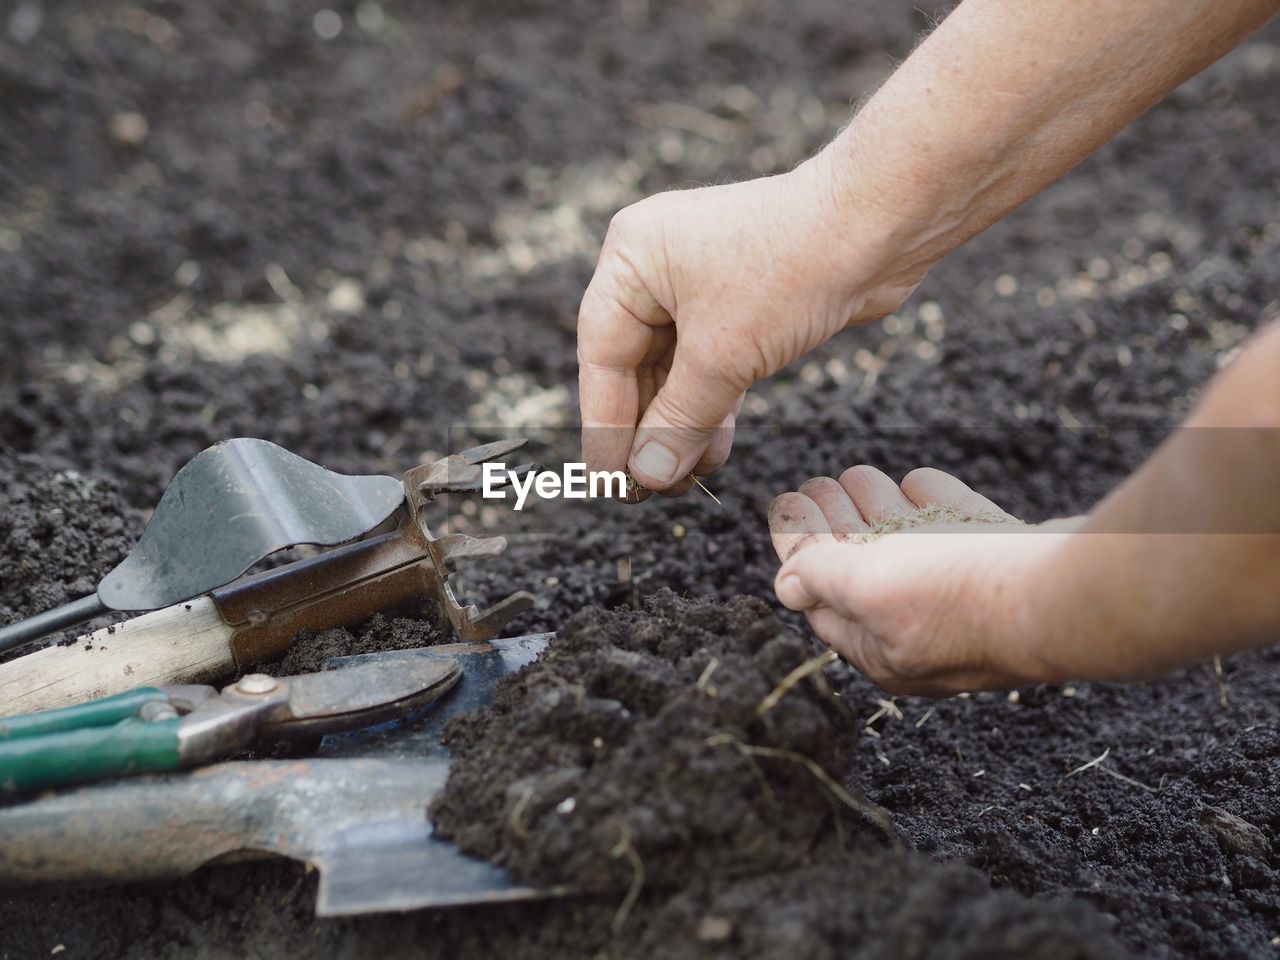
[
  {"x": 1120, "y": 776},
  {"x": 758, "y": 773},
  {"x": 292, "y": 893},
  {"x": 886, "y": 707},
  {"x": 754, "y": 767},
  {"x": 515, "y": 820},
  {"x": 1090, "y": 765},
  {"x": 872, "y": 811},
  {"x": 707, "y": 671},
  {"x": 624, "y": 848},
  {"x": 280, "y": 283},
  {"x": 925, "y": 718},
  {"x": 1098, "y": 762},
  {"x": 1222, "y": 683},
  {"x": 794, "y": 677}
]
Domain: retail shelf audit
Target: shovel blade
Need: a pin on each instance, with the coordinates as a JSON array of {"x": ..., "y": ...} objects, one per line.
[
  {"x": 361, "y": 823},
  {"x": 399, "y": 864},
  {"x": 357, "y": 812}
]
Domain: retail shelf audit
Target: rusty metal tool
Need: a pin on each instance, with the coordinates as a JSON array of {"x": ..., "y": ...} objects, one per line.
[
  {"x": 356, "y": 811},
  {"x": 232, "y": 506}
]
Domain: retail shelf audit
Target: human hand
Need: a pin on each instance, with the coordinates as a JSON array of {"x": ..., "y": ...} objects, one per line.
[
  {"x": 938, "y": 610},
  {"x": 700, "y": 293}
]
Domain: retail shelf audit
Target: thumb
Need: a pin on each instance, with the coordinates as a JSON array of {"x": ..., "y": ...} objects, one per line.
[
  {"x": 823, "y": 575},
  {"x": 681, "y": 421}
]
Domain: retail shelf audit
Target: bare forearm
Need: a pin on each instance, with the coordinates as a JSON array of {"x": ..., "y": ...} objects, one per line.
[
  {"x": 1006, "y": 96},
  {"x": 1182, "y": 561}
]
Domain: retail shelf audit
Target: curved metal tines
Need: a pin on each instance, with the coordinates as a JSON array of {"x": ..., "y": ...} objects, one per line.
[{"x": 448, "y": 552}]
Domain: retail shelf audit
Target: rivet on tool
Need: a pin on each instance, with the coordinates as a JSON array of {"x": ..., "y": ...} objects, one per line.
[
  {"x": 156, "y": 711},
  {"x": 256, "y": 683}
]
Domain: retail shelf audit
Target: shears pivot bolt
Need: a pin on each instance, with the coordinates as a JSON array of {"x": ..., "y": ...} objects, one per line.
[{"x": 256, "y": 683}]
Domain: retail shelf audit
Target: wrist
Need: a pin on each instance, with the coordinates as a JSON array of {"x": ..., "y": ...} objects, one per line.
[
  {"x": 1095, "y": 612},
  {"x": 868, "y": 253},
  {"x": 1052, "y": 636}
]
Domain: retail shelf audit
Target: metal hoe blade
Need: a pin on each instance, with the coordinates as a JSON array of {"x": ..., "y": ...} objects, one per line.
[{"x": 233, "y": 505}]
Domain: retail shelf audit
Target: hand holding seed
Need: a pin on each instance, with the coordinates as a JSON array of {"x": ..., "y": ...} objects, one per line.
[
  {"x": 697, "y": 295},
  {"x": 934, "y": 611}
]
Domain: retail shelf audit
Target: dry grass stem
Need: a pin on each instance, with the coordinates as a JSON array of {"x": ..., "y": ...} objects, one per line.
[
  {"x": 887, "y": 707},
  {"x": 634, "y": 489},
  {"x": 1090, "y": 765},
  {"x": 515, "y": 820},
  {"x": 707, "y": 671},
  {"x": 703, "y": 487},
  {"x": 624, "y": 848},
  {"x": 872, "y": 811},
  {"x": 1129, "y": 780},
  {"x": 794, "y": 677}
]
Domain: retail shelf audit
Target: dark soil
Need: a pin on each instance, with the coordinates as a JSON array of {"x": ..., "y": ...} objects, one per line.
[
  {"x": 309, "y": 651},
  {"x": 617, "y": 736},
  {"x": 353, "y": 246},
  {"x": 58, "y": 529},
  {"x": 634, "y": 756}
]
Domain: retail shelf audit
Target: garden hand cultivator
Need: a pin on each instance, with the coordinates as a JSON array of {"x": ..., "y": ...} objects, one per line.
[{"x": 229, "y": 508}]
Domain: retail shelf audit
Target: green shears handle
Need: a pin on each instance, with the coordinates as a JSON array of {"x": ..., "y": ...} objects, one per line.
[{"x": 88, "y": 741}]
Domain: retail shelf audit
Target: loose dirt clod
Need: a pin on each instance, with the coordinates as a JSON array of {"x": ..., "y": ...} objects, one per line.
[
  {"x": 607, "y": 765},
  {"x": 664, "y": 779}
]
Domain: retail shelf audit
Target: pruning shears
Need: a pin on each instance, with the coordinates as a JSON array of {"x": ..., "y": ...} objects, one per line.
[{"x": 158, "y": 729}]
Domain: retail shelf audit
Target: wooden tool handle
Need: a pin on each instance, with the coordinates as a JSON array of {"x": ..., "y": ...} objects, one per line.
[{"x": 185, "y": 643}]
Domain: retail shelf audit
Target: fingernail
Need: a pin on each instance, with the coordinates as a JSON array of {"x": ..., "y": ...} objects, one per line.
[{"x": 657, "y": 461}]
